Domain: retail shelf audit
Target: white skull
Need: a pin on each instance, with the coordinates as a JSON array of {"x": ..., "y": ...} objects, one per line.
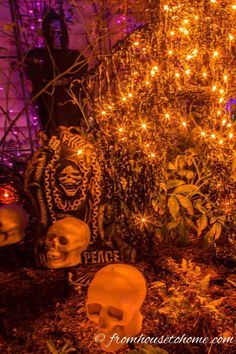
[
  {"x": 114, "y": 298},
  {"x": 13, "y": 222},
  {"x": 65, "y": 241}
]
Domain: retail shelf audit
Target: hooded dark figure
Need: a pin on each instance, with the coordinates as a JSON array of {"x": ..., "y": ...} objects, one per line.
[{"x": 55, "y": 105}]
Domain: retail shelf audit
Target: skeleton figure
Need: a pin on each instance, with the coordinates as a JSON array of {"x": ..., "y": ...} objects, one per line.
[
  {"x": 114, "y": 298},
  {"x": 13, "y": 222},
  {"x": 65, "y": 241},
  {"x": 70, "y": 179}
]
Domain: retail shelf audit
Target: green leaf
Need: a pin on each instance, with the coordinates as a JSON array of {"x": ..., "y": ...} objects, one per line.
[
  {"x": 186, "y": 188},
  {"x": 189, "y": 175},
  {"x": 163, "y": 186},
  {"x": 214, "y": 232},
  {"x": 180, "y": 161},
  {"x": 185, "y": 202},
  {"x": 155, "y": 205},
  {"x": 184, "y": 265},
  {"x": 213, "y": 219},
  {"x": 173, "y": 206},
  {"x": 173, "y": 224},
  {"x": 217, "y": 229},
  {"x": 233, "y": 170},
  {"x": 204, "y": 283},
  {"x": 198, "y": 205},
  {"x": 172, "y": 183},
  {"x": 201, "y": 224},
  {"x": 51, "y": 347},
  {"x": 171, "y": 166}
]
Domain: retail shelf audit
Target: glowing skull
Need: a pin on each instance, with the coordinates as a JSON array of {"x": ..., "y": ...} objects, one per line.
[
  {"x": 114, "y": 298},
  {"x": 65, "y": 241},
  {"x": 13, "y": 222}
]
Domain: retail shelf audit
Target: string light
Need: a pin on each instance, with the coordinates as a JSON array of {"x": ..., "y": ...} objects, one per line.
[{"x": 172, "y": 78}]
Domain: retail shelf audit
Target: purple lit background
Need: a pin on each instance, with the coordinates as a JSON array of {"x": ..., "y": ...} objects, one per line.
[{"x": 86, "y": 23}]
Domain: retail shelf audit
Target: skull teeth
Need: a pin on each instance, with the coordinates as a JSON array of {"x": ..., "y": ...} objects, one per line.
[{"x": 53, "y": 258}]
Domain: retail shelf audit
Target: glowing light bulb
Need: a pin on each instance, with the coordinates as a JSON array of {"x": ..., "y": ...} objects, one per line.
[
  {"x": 213, "y": 136},
  {"x": 231, "y": 135},
  {"x": 186, "y": 21},
  {"x": 172, "y": 33},
  {"x": 184, "y": 124},
  {"x": 221, "y": 100},
  {"x": 195, "y": 51},
  {"x": 167, "y": 116},
  {"x": 189, "y": 57},
  {"x": 104, "y": 113},
  {"x": 166, "y": 7},
  {"x": 214, "y": 88},
  {"x": 6, "y": 195},
  {"x": 231, "y": 37},
  {"x": 218, "y": 113},
  {"x": 225, "y": 77},
  {"x": 144, "y": 126},
  {"x": 147, "y": 82},
  {"x": 187, "y": 72},
  {"x": 223, "y": 122},
  {"x": 121, "y": 130},
  {"x": 136, "y": 43},
  {"x": 177, "y": 74},
  {"x": 203, "y": 134},
  {"x": 234, "y": 7},
  {"x": 124, "y": 99},
  {"x": 215, "y": 54},
  {"x": 79, "y": 152},
  {"x": 143, "y": 220},
  {"x": 170, "y": 52},
  {"x": 229, "y": 125},
  {"x": 221, "y": 141},
  {"x": 130, "y": 94},
  {"x": 153, "y": 155},
  {"x": 222, "y": 91},
  {"x": 204, "y": 74}
]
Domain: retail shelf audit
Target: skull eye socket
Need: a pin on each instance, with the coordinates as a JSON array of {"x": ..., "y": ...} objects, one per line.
[
  {"x": 94, "y": 309},
  {"x": 115, "y": 313},
  {"x": 63, "y": 240}
]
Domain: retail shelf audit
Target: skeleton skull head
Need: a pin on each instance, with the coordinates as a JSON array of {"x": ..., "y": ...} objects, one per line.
[
  {"x": 13, "y": 222},
  {"x": 70, "y": 180},
  {"x": 114, "y": 298},
  {"x": 65, "y": 241}
]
